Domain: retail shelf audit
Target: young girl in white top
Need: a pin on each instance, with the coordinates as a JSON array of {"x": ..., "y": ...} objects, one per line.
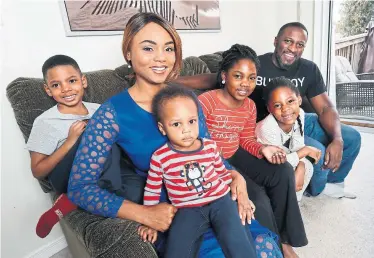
[{"x": 284, "y": 127}]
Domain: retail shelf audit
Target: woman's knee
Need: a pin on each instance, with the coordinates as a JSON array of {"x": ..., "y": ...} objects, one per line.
[
  {"x": 262, "y": 203},
  {"x": 261, "y": 200}
]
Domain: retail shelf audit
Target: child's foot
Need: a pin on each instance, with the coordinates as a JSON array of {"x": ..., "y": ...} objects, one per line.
[
  {"x": 60, "y": 208},
  {"x": 288, "y": 251}
]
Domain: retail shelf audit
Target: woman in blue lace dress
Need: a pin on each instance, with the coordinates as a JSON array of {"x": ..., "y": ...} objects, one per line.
[{"x": 153, "y": 48}]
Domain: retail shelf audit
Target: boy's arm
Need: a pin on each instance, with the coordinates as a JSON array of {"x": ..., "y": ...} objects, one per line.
[{"x": 42, "y": 165}]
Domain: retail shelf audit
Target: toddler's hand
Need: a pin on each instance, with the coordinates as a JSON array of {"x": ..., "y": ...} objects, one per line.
[
  {"x": 274, "y": 154},
  {"x": 147, "y": 234},
  {"x": 76, "y": 129}
]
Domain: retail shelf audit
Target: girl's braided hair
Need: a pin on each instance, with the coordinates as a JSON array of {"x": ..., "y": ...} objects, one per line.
[
  {"x": 232, "y": 56},
  {"x": 279, "y": 82}
]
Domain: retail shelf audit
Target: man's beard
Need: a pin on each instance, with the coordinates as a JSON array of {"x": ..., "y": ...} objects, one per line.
[{"x": 283, "y": 66}]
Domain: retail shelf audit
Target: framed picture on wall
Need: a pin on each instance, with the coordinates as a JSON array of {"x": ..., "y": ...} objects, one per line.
[{"x": 109, "y": 17}]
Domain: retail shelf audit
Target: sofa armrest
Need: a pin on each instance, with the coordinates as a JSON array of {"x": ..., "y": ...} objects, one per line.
[
  {"x": 107, "y": 237},
  {"x": 365, "y": 76}
]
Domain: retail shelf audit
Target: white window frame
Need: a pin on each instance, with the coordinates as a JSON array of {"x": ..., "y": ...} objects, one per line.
[{"x": 324, "y": 46}]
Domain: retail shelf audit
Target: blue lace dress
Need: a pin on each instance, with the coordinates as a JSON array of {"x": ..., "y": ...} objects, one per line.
[{"x": 120, "y": 120}]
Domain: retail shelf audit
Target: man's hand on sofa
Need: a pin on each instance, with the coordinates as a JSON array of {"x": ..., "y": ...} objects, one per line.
[{"x": 206, "y": 81}]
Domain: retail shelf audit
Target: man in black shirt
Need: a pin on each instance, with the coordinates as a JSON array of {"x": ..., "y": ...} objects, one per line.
[{"x": 340, "y": 144}]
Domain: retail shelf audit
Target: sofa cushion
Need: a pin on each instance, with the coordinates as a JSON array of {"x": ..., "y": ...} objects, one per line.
[
  {"x": 193, "y": 65},
  {"x": 212, "y": 61}
]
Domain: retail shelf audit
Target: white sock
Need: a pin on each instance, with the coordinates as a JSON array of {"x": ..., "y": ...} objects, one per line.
[{"x": 336, "y": 190}]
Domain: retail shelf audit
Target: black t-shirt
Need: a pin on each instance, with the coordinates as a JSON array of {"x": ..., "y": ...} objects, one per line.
[{"x": 306, "y": 76}]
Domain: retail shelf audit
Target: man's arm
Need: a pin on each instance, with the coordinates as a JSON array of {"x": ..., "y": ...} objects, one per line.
[
  {"x": 204, "y": 81},
  {"x": 329, "y": 118}
]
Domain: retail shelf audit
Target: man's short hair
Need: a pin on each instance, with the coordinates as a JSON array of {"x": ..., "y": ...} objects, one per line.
[
  {"x": 292, "y": 24},
  {"x": 58, "y": 60}
]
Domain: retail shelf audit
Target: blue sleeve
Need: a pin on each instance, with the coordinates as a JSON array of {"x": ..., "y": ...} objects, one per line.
[
  {"x": 83, "y": 190},
  {"x": 204, "y": 133}
]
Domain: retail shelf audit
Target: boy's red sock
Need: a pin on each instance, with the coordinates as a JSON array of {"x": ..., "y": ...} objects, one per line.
[{"x": 60, "y": 208}]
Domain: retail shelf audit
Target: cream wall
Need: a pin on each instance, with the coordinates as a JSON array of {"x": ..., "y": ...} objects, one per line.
[{"x": 32, "y": 31}]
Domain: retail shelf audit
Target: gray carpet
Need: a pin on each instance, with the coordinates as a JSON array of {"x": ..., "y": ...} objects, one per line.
[
  {"x": 344, "y": 228},
  {"x": 338, "y": 228}
]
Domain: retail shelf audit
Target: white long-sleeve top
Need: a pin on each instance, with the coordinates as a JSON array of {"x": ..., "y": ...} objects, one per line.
[{"x": 269, "y": 132}]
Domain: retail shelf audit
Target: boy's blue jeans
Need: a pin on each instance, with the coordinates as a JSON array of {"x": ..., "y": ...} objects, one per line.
[
  {"x": 189, "y": 225},
  {"x": 316, "y": 136}
]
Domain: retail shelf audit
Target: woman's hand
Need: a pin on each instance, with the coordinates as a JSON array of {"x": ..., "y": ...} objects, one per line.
[
  {"x": 239, "y": 192},
  {"x": 147, "y": 234},
  {"x": 273, "y": 154},
  {"x": 160, "y": 216}
]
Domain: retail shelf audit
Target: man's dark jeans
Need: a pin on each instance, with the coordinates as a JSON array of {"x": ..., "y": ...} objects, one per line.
[{"x": 316, "y": 136}]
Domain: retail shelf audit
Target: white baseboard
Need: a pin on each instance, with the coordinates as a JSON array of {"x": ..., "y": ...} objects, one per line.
[{"x": 50, "y": 249}]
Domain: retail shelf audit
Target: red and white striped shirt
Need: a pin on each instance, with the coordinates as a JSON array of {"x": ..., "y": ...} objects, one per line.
[
  {"x": 231, "y": 128},
  {"x": 191, "y": 178}
]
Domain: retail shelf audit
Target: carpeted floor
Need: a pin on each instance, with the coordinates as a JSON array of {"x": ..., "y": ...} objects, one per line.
[
  {"x": 338, "y": 228},
  {"x": 344, "y": 228}
]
